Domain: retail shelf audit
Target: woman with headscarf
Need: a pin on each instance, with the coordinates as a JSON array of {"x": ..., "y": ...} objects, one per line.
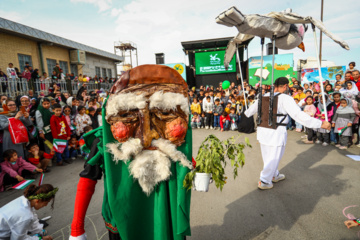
[
  {"x": 322, "y": 134},
  {"x": 343, "y": 121},
  {"x": 350, "y": 88},
  {"x": 4, "y": 125},
  {"x": 25, "y": 103}
]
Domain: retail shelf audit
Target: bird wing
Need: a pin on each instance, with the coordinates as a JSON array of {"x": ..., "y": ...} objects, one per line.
[
  {"x": 294, "y": 18},
  {"x": 232, "y": 45}
]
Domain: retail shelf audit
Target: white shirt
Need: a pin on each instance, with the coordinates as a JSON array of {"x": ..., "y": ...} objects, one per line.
[
  {"x": 286, "y": 105},
  {"x": 17, "y": 218}
]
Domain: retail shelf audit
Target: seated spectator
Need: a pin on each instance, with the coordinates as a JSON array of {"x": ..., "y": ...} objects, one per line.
[
  {"x": 39, "y": 159},
  {"x": 82, "y": 120},
  {"x": 60, "y": 130},
  {"x": 350, "y": 88},
  {"x": 74, "y": 147},
  {"x": 224, "y": 121},
  {"x": 15, "y": 169},
  {"x": 4, "y": 125},
  {"x": 196, "y": 121}
]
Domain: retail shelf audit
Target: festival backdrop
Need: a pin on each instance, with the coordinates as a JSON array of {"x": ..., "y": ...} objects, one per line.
[
  {"x": 180, "y": 67},
  {"x": 283, "y": 67},
  {"x": 212, "y": 63},
  {"x": 328, "y": 73}
]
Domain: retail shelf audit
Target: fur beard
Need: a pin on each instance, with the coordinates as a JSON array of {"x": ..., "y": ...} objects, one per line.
[{"x": 149, "y": 167}]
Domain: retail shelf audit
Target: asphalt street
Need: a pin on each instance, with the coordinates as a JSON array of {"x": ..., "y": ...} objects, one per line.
[{"x": 320, "y": 182}]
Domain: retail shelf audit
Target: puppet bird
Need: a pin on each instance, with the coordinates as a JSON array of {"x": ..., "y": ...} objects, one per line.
[{"x": 288, "y": 27}]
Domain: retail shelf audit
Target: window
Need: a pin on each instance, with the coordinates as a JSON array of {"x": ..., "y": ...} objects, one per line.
[
  {"x": 74, "y": 69},
  {"x": 22, "y": 60},
  {"x": 64, "y": 66},
  {"x": 51, "y": 63},
  {"x": 109, "y": 73},
  {"x": 103, "y": 72},
  {"x": 97, "y": 71}
]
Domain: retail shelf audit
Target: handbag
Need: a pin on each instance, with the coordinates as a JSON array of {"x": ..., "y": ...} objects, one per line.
[{"x": 18, "y": 131}]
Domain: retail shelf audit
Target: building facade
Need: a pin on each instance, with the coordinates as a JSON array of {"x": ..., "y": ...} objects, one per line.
[{"x": 20, "y": 44}]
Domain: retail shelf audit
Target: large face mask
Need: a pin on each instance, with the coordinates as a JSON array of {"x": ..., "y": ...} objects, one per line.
[
  {"x": 148, "y": 114},
  {"x": 157, "y": 108}
]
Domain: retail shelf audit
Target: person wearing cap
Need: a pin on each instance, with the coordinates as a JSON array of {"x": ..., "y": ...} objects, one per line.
[{"x": 273, "y": 141}]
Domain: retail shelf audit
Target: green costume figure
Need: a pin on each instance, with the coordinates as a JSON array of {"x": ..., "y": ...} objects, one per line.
[{"x": 143, "y": 152}]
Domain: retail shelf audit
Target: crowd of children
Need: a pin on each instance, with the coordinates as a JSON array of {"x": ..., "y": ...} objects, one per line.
[
  {"x": 221, "y": 109},
  {"x": 47, "y": 119}
]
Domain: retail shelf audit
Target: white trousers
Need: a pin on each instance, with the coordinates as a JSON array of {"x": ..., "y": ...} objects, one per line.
[{"x": 271, "y": 156}]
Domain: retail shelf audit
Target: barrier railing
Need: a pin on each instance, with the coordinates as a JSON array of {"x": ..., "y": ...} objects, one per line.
[{"x": 13, "y": 87}]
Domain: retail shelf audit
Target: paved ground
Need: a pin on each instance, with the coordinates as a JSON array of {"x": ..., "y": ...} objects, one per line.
[{"x": 320, "y": 183}]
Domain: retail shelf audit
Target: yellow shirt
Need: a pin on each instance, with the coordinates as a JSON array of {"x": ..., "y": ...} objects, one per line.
[
  {"x": 227, "y": 110},
  {"x": 300, "y": 96},
  {"x": 195, "y": 108}
]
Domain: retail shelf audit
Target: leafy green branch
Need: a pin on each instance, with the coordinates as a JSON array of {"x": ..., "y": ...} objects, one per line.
[{"x": 211, "y": 158}]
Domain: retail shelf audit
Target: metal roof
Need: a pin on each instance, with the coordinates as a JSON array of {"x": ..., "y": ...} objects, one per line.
[{"x": 29, "y": 32}]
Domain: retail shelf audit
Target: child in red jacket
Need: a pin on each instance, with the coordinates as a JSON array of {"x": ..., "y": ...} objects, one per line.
[
  {"x": 60, "y": 130},
  {"x": 224, "y": 121}
]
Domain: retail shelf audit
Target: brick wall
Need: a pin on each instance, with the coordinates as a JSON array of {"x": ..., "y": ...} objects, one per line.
[{"x": 11, "y": 46}]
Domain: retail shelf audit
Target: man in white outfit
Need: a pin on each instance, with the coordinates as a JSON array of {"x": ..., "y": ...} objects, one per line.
[{"x": 273, "y": 141}]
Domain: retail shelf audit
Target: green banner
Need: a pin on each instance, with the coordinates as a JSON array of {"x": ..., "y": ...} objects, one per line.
[{"x": 212, "y": 63}]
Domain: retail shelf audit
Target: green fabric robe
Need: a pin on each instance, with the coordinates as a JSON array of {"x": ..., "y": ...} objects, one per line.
[{"x": 163, "y": 215}]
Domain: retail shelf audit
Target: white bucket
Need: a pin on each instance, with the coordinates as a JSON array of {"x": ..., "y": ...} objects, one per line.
[{"x": 201, "y": 182}]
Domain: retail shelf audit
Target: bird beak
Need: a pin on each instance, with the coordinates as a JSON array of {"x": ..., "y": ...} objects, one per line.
[{"x": 302, "y": 46}]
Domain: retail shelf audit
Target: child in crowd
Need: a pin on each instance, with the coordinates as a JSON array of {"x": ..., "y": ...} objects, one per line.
[
  {"x": 300, "y": 94},
  {"x": 195, "y": 107},
  {"x": 82, "y": 120},
  {"x": 218, "y": 110},
  {"x": 298, "y": 126},
  {"x": 202, "y": 120},
  {"x": 224, "y": 121},
  {"x": 344, "y": 118},
  {"x": 60, "y": 130},
  {"x": 227, "y": 108},
  {"x": 74, "y": 147},
  {"x": 39, "y": 158},
  {"x": 70, "y": 119},
  {"x": 43, "y": 116},
  {"x": 322, "y": 134},
  {"x": 233, "y": 119},
  {"x": 310, "y": 109},
  {"x": 93, "y": 118},
  {"x": 196, "y": 121},
  {"x": 99, "y": 116},
  {"x": 15, "y": 169},
  {"x": 336, "y": 98},
  {"x": 201, "y": 104},
  {"x": 351, "y": 67},
  {"x": 208, "y": 109}
]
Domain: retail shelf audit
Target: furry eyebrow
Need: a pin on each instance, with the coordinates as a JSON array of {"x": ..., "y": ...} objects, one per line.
[
  {"x": 169, "y": 101},
  {"x": 125, "y": 102}
]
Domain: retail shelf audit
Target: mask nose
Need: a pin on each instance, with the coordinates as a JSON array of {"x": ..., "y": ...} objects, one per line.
[{"x": 148, "y": 132}]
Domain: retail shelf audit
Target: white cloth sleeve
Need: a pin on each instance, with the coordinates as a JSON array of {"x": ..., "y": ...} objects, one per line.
[
  {"x": 252, "y": 109},
  {"x": 299, "y": 116}
]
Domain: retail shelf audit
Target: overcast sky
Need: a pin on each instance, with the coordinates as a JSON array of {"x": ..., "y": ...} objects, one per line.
[{"x": 161, "y": 25}]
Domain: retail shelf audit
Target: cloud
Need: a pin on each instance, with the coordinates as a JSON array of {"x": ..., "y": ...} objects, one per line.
[
  {"x": 103, "y": 5},
  {"x": 12, "y": 15}
]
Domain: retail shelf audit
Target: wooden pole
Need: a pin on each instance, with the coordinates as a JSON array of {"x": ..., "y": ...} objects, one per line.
[{"x": 322, "y": 18}]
